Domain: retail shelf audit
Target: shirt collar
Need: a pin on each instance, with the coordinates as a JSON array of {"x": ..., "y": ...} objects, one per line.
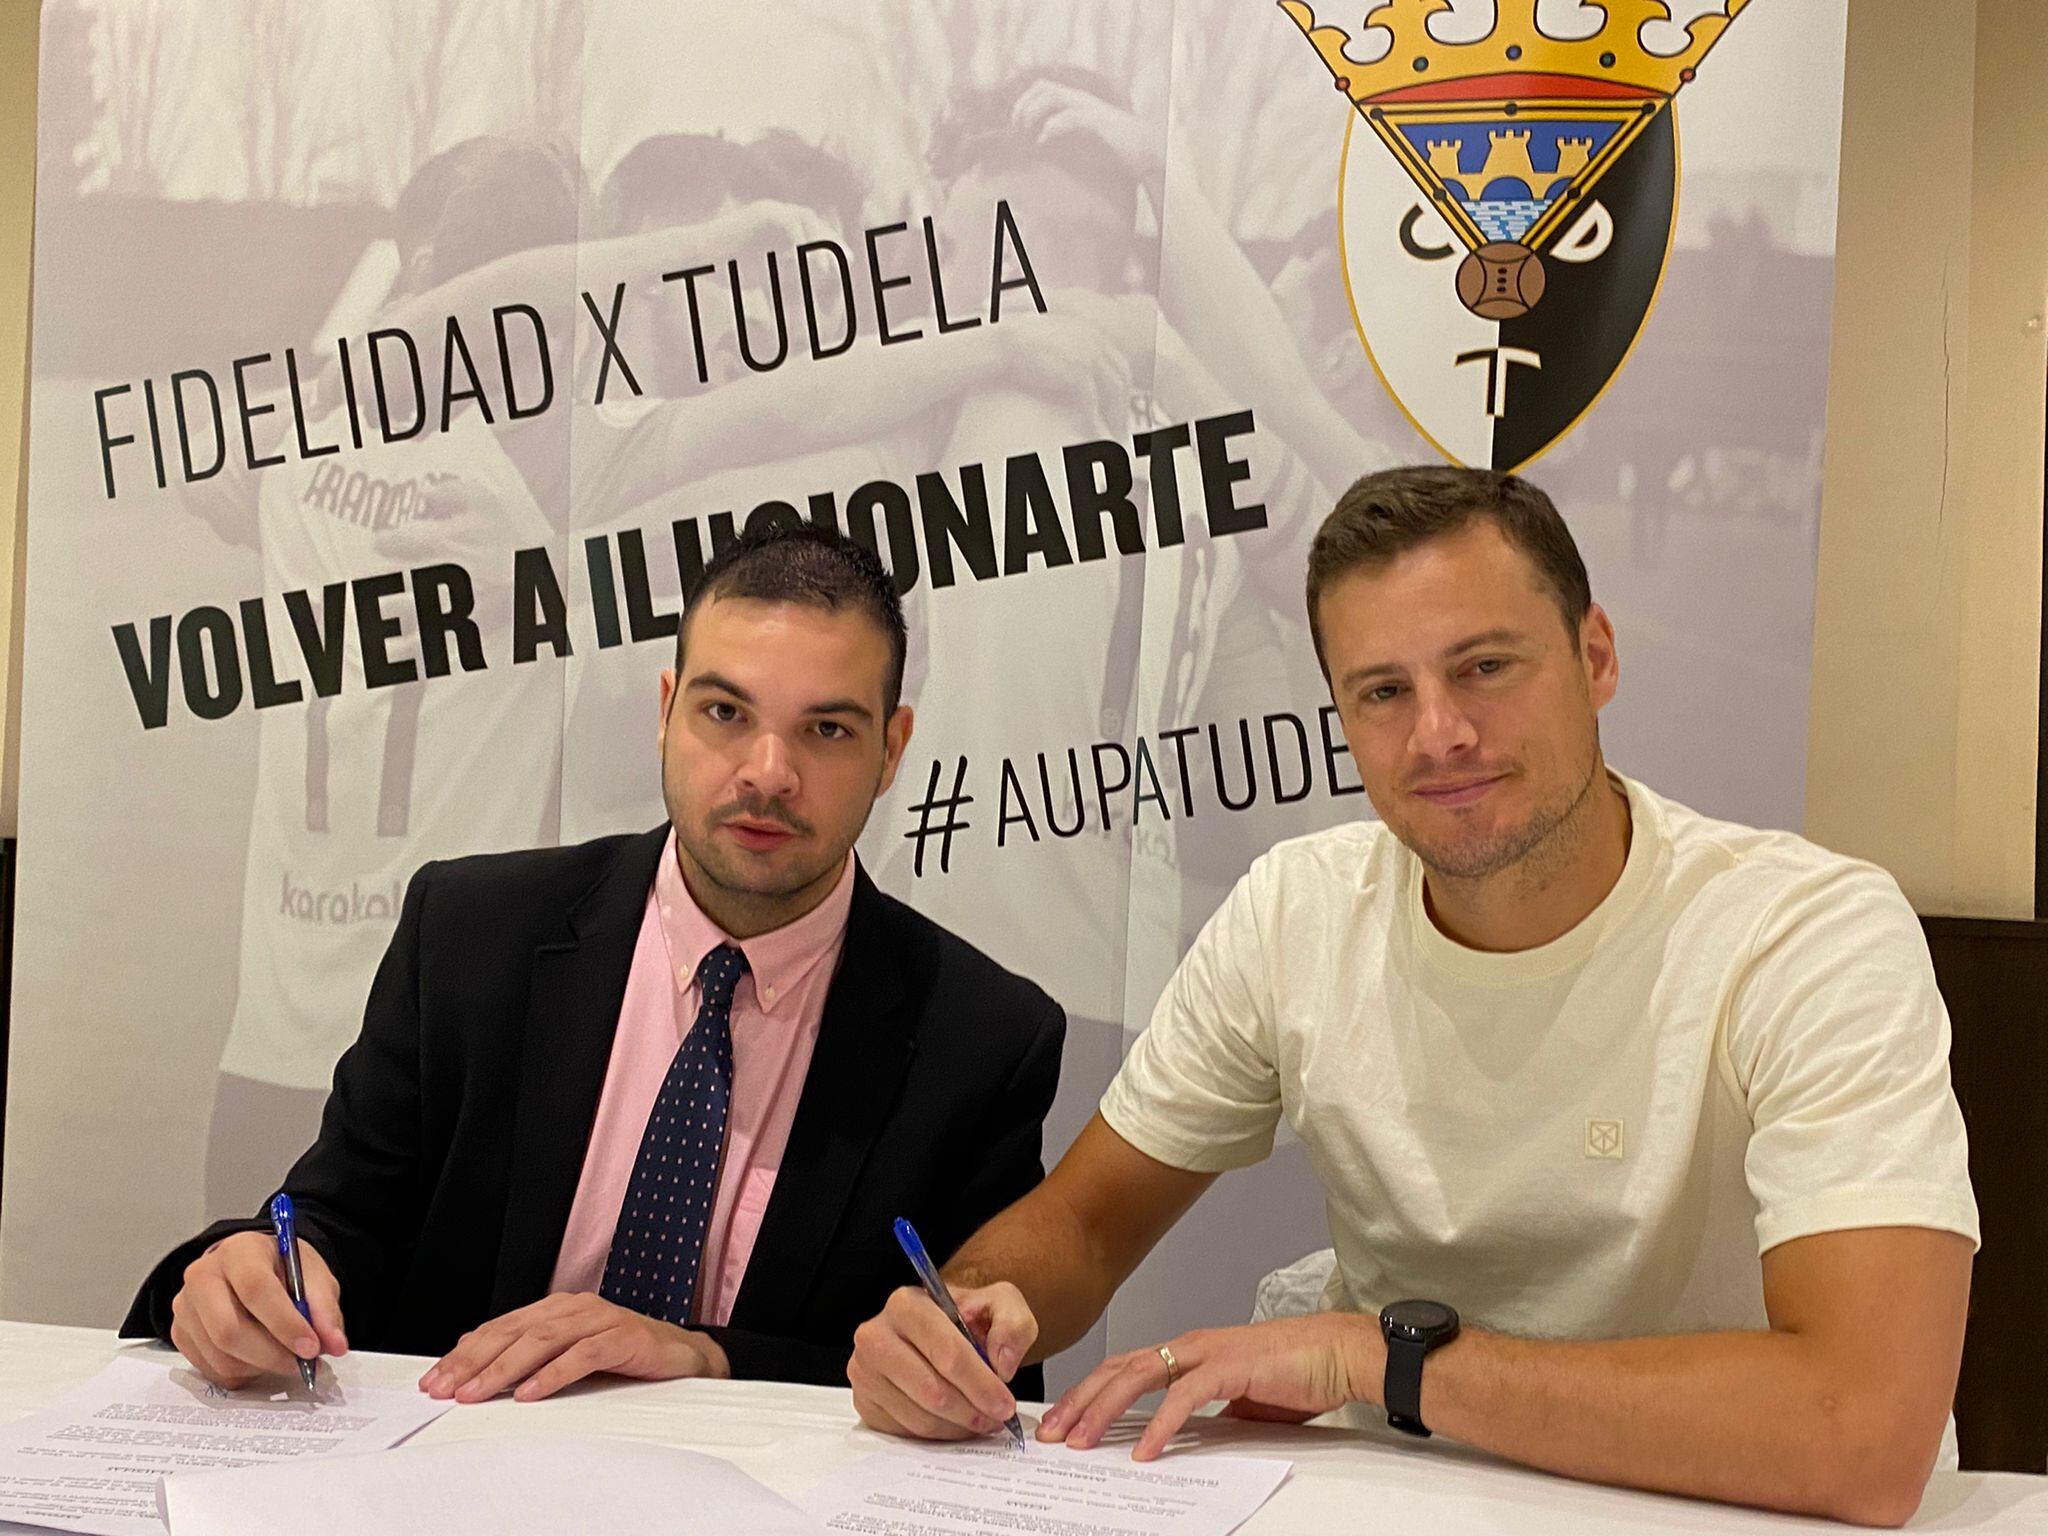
[
  {"x": 776, "y": 960},
  {"x": 1639, "y": 872}
]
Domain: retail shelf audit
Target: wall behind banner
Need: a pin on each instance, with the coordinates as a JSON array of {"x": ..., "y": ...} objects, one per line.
[
  {"x": 17, "y": 222},
  {"x": 1927, "y": 634},
  {"x": 49, "y": 1271},
  {"x": 17, "y": 183}
]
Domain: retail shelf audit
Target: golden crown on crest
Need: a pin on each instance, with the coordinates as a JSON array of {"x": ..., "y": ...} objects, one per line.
[{"x": 1515, "y": 44}]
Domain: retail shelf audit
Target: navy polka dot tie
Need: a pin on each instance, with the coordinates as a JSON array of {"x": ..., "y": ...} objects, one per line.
[{"x": 658, "y": 1244}]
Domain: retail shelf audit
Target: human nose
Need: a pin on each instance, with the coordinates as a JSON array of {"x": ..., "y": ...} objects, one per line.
[
  {"x": 768, "y": 769},
  {"x": 1442, "y": 729}
]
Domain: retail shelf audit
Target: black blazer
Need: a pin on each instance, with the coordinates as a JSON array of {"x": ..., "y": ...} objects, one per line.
[{"x": 450, "y": 1148}]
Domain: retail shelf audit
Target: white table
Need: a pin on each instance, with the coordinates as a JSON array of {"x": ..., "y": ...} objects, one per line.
[{"x": 789, "y": 1437}]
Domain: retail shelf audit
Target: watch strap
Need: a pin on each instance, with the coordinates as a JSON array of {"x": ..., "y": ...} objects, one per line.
[{"x": 1402, "y": 1388}]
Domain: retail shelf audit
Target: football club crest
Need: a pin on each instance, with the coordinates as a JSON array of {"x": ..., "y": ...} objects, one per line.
[{"x": 1506, "y": 212}]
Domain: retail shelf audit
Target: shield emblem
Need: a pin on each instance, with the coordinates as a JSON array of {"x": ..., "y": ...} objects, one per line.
[{"x": 1506, "y": 207}]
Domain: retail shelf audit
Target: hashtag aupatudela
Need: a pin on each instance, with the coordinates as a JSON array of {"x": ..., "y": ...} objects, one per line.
[{"x": 1107, "y": 786}]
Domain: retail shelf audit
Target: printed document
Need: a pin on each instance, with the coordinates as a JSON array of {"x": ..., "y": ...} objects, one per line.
[
  {"x": 525, "y": 1486},
  {"x": 91, "y": 1461},
  {"x": 992, "y": 1486}
]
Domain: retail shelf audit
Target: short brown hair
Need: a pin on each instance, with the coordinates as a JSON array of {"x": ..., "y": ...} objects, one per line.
[{"x": 1390, "y": 512}]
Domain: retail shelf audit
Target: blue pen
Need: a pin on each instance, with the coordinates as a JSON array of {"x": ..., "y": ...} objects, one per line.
[
  {"x": 913, "y": 1250},
  {"x": 286, "y": 1228}
]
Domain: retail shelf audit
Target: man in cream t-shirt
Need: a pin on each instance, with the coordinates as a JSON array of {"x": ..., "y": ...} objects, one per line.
[
  {"x": 1635, "y": 1127},
  {"x": 1592, "y": 1138}
]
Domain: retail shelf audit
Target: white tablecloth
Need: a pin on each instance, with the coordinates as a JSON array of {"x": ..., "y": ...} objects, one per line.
[{"x": 789, "y": 1437}]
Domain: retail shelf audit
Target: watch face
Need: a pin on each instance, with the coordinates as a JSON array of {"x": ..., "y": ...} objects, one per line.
[{"x": 1419, "y": 1319}]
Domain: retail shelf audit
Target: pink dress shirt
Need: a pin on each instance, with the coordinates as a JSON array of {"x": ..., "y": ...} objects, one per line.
[{"x": 775, "y": 1015}]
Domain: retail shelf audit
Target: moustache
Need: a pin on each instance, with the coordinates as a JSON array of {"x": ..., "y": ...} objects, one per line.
[{"x": 757, "y": 809}]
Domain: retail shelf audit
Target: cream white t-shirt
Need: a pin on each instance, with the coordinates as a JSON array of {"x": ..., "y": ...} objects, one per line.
[{"x": 1742, "y": 1044}]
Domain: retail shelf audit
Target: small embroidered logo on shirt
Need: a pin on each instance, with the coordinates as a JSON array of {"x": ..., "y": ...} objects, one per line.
[{"x": 1603, "y": 1139}]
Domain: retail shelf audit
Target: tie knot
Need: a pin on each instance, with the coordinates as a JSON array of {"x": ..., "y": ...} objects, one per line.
[{"x": 718, "y": 973}]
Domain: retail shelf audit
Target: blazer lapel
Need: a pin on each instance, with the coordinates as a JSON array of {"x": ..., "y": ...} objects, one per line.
[
  {"x": 865, "y": 1040},
  {"x": 578, "y": 984}
]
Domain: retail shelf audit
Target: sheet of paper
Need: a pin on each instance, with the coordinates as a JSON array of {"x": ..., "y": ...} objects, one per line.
[
  {"x": 91, "y": 1461},
  {"x": 512, "y": 1487},
  {"x": 990, "y": 1486}
]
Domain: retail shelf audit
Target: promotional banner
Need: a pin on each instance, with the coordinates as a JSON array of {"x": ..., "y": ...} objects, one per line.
[{"x": 398, "y": 366}]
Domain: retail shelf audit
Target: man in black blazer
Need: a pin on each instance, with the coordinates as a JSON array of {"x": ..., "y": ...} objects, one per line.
[{"x": 435, "y": 1200}]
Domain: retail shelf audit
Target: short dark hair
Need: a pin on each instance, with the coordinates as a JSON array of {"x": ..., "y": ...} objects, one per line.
[
  {"x": 481, "y": 199},
  {"x": 818, "y": 567},
  {"x": 798, "y": 171},
  {"x": 979, "y": 131},
  {"x": 686, "y": 176},
  {"x": 1386, "y": 514},
  {"x": 679, "y": 177}
]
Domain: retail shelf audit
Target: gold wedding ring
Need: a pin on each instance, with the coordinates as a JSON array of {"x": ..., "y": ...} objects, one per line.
[{"x": 1172, "y": 1365}]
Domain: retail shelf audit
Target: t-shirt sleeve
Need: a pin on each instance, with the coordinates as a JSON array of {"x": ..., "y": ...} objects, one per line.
[
  {"x": 1838, "y": 1040},
  {"x": 1200, "y": 1089}
]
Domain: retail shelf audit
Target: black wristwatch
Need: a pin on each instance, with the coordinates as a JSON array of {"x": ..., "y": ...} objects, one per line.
[{"x": 1412, "y": 1329}]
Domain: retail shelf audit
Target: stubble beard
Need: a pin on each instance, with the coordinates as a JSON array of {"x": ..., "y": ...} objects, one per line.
[
  {"x": 730, "y": 874},
  {"x": 1541, "y": 844}
]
